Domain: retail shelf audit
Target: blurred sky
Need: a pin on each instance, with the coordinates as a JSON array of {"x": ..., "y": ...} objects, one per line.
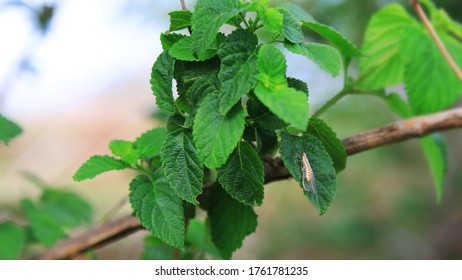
[{"x": 90, "y": 45}]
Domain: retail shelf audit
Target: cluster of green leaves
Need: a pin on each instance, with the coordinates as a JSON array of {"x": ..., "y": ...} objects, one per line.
[
  {"x": 46, "y": 220},
  {"x": 8, "y": 129},
  {"x": 235, "y": 106},
  {"x": 398, "y": 49}
]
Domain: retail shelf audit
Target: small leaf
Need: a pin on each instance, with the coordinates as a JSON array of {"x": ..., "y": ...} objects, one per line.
[
  {"x": 287, "y": 103},
  {"x": 150, "y": 143},
  {"x": 326, "y": 57},
  {"x": 431, "y": 84},
  {"x": 292, "y": 147},
  {"x": 169, "y": 39},
  {"x": 158, "y": 208},
  {"x": 65, "y": 208},
  {"x": 331, "y": 143},
  {"x": 97, "y": 165},
  {"x": 43, "y": 227},
  {"x": 179, "y": 20},
  {"x": 215, "y": 135},
  {"x": 243, "y": 175},
  {"x": 267, "y": 141},
  {"x": 230, "y": 222},
  {"x": 434, "y": 148},
  {"x": 298, "y": 85},
  {"x": 208, "y": 17},
  {"x": 382, "y": 64},
  {"x": 124, "y": 150},
  {"x": 272, "y": 19},
  {"x": 291, "y": 29},
  {"x": 182, "y": 50},
  {"x": 182, "y": 166},
  {"x": 12, "y": 241},
  {"x": 345, "y": 46},
  {"x": 161, "y": 83},
  {"x": 8, "y": 130},
  {"x": 238, "y": 67}
]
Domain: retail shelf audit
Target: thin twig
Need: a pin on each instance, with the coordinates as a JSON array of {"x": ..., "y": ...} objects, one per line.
[
  {"x": 436, "y": 38},
  {"x": 183, "y": 5},
  {"x": 274, "y": 170}
]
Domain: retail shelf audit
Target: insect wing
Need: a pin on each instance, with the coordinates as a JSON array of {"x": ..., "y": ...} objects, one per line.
[{"x": 307, "y": 175}]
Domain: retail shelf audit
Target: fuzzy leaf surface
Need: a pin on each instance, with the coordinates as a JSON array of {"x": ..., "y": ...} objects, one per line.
[
  {"x": 238, "y": 67},
  {"x": 345, "y": 46},
  {"x": 324, "y": 172},
  {"x": 150, "y": 142},
  {"x": 326, "y": 57},
  {"x": 97, "y": 165},
  {"x": 208, "y": 17},
  {"x": 179, "y": 20},
  {"x": 161, "y": 83},
  {"x": 182, "y": 166},
  {"x": 242, "y": 176},
  {"x": 230, "y": 222},
  {"x": 158, "y": 208},
  {"x": 124, "y": 149},
  {"x": 331, "y": 143},
  {"x": 381, "y": 64},
  {"x": 216, "y": 135}
]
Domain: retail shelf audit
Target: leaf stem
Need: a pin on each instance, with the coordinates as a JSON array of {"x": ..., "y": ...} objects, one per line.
[
  {"x": 244, "y": 21},
  {"x": 436, "y": 38},
  {"x": 332, "y": 101}
]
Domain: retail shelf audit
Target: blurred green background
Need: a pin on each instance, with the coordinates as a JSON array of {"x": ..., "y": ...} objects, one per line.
[{"x": 385, "y": 206}]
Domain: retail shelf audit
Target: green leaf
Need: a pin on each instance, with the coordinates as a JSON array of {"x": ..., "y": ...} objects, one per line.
[
  {"x": 161, "y": 83},
  {"x": 199, "y": 89},
  {"x": 243, "y": 175},
  {"x": 182, "y": 50},
  {"x": 381, "y": 64},
  {"x": 12, "y": 241},
  {"x": 43, "y": 227},
  {"x": 345, "y": 46},
  {"x": 179, "y": 20},
  {"x": 208, "y": 17},
  {"x": 155, "y": 249},
  {"x": 238, "y": 67},
  {"x": 8, "y": 130},
  {"x": 262, "y": 116},
  {"x": 97, "y": 165},
  {"x": 329, "y": 140},
  {"x": 431, "y": 84},
  {"x": 168, "y": 39},
  {"x": 273, "y": 91},
  {"x": 298, "y": 85},
  {"x": 267, "y": 141},
  {"x": 272, "y": 19},
  {"x": 124, "y": 149},
  {"x": 287, "y": 103},
  {"x": 297, "y": 12},
  {"x": 291, "y": 29},
  {"x": 198, "y": 235},
  {"x": 326, "y": 57},
  {"x": 216, "y": 135},
  {"x": 158, "y": 208},
  {"x": 435, "y": 151},
  {"x": 182, "y": 166},
  {"x": 230, "y": 222},
  {"x": 150, "y": 143},
  {"x": 292, "y": 148},
  {"x": 65, "y": 208}
]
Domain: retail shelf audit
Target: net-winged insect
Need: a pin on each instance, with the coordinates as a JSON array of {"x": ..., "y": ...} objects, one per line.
[{"x": 307, "y": 175}]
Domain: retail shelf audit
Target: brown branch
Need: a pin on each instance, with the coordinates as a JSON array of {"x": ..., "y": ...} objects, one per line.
[
  {"x": 183, "y": 5},
  {"x": 436, "y": 38},
  {"x": 274, "y": 170}
]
